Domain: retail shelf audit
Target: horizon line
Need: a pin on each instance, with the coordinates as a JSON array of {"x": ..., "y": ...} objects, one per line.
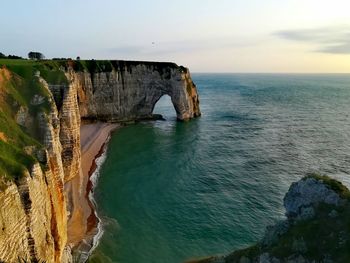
[{"x": 275, "y": 73}]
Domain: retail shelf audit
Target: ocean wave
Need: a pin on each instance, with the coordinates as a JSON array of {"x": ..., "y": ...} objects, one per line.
[{"x": 94, "y": 180}]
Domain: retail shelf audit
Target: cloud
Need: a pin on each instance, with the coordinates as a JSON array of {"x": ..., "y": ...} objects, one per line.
[
  {"x": 333, "y": 39},
  {"x": 337, "y": 49}
]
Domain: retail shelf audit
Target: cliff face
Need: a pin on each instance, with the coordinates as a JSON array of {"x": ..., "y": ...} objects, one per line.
[
  {"x": 127, "y": 91},
  {"x": 26, "y": 220},
  {"x": 42, "y": 104},
  {"x": 33, "y": 209},
  {"x": 131, "y": 90}
]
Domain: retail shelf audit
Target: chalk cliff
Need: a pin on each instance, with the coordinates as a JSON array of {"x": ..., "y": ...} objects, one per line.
[
  {"x": 33, "y": 216},
  {"x": 42, "y": 104},
  {"x": 130, "y": 91}
]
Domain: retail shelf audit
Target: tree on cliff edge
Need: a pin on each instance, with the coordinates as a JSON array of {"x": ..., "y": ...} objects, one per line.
[{"x": 35, "y": 55}]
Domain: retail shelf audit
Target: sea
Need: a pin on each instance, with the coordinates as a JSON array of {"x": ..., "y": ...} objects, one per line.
[{"x": 169, "y": 192}]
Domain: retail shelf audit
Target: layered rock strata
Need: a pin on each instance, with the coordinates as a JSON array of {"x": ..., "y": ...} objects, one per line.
[
  {"x": 36, "y": 209},
  {"x": 131, "y": 90},
  {"x": 33, "y": 214}
]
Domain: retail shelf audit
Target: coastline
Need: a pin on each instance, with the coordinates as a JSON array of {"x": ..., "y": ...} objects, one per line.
[{"x": 83, "y": 223}]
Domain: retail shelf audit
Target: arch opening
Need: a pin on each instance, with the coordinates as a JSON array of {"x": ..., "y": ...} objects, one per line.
[{"x": 164, "y": 107}]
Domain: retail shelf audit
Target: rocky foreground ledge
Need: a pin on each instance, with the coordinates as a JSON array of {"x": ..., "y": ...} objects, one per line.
[{"x": 317, "y": 228}]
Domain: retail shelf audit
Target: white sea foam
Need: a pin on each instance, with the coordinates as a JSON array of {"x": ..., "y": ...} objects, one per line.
[{"x": 94, "y": 180}]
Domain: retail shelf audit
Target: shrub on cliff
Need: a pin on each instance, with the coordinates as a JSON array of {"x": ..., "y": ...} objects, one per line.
[
  {"x": 335, "y": 185},
  {"x": 35, "y": 55},
  {"x": 14, "y": 57}
]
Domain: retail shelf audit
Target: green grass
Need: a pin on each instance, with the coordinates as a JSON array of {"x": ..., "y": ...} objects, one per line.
[
  {"x": 15, "y": 93},
  {"x": 13, "y": 161},
  {"x": 335, "y": 185},
  {"x": 50, "y": 70},
  {"x": 96, "y": 65}
]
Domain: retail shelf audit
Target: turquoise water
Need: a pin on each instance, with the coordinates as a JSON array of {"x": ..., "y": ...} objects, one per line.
[{"x": 171, "y": 191}]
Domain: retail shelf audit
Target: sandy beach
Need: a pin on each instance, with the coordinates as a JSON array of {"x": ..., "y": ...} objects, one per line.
[{"x": 82, "y": 221}]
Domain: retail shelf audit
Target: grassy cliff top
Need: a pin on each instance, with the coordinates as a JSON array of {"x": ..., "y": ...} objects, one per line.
[
  {"x": 18, "y": 87},
  {"x": 333, "y": 184},
  {"x": 53, "y": 70},
  {"x": 49, "y": 69}
]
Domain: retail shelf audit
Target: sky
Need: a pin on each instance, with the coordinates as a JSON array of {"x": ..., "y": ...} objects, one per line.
[{"x": 267, "y": 36}]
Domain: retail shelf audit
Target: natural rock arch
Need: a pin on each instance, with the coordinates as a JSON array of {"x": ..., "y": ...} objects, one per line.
[
  {"x": 181, "y": 100},
  {"x": 132, "y": 93}
]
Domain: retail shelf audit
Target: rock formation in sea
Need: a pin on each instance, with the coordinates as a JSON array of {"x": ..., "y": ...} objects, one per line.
[
  {"x": 132, "y": 90},
  {"x": 316, "y": 228},
  {"x": 42, "y": 104}
]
